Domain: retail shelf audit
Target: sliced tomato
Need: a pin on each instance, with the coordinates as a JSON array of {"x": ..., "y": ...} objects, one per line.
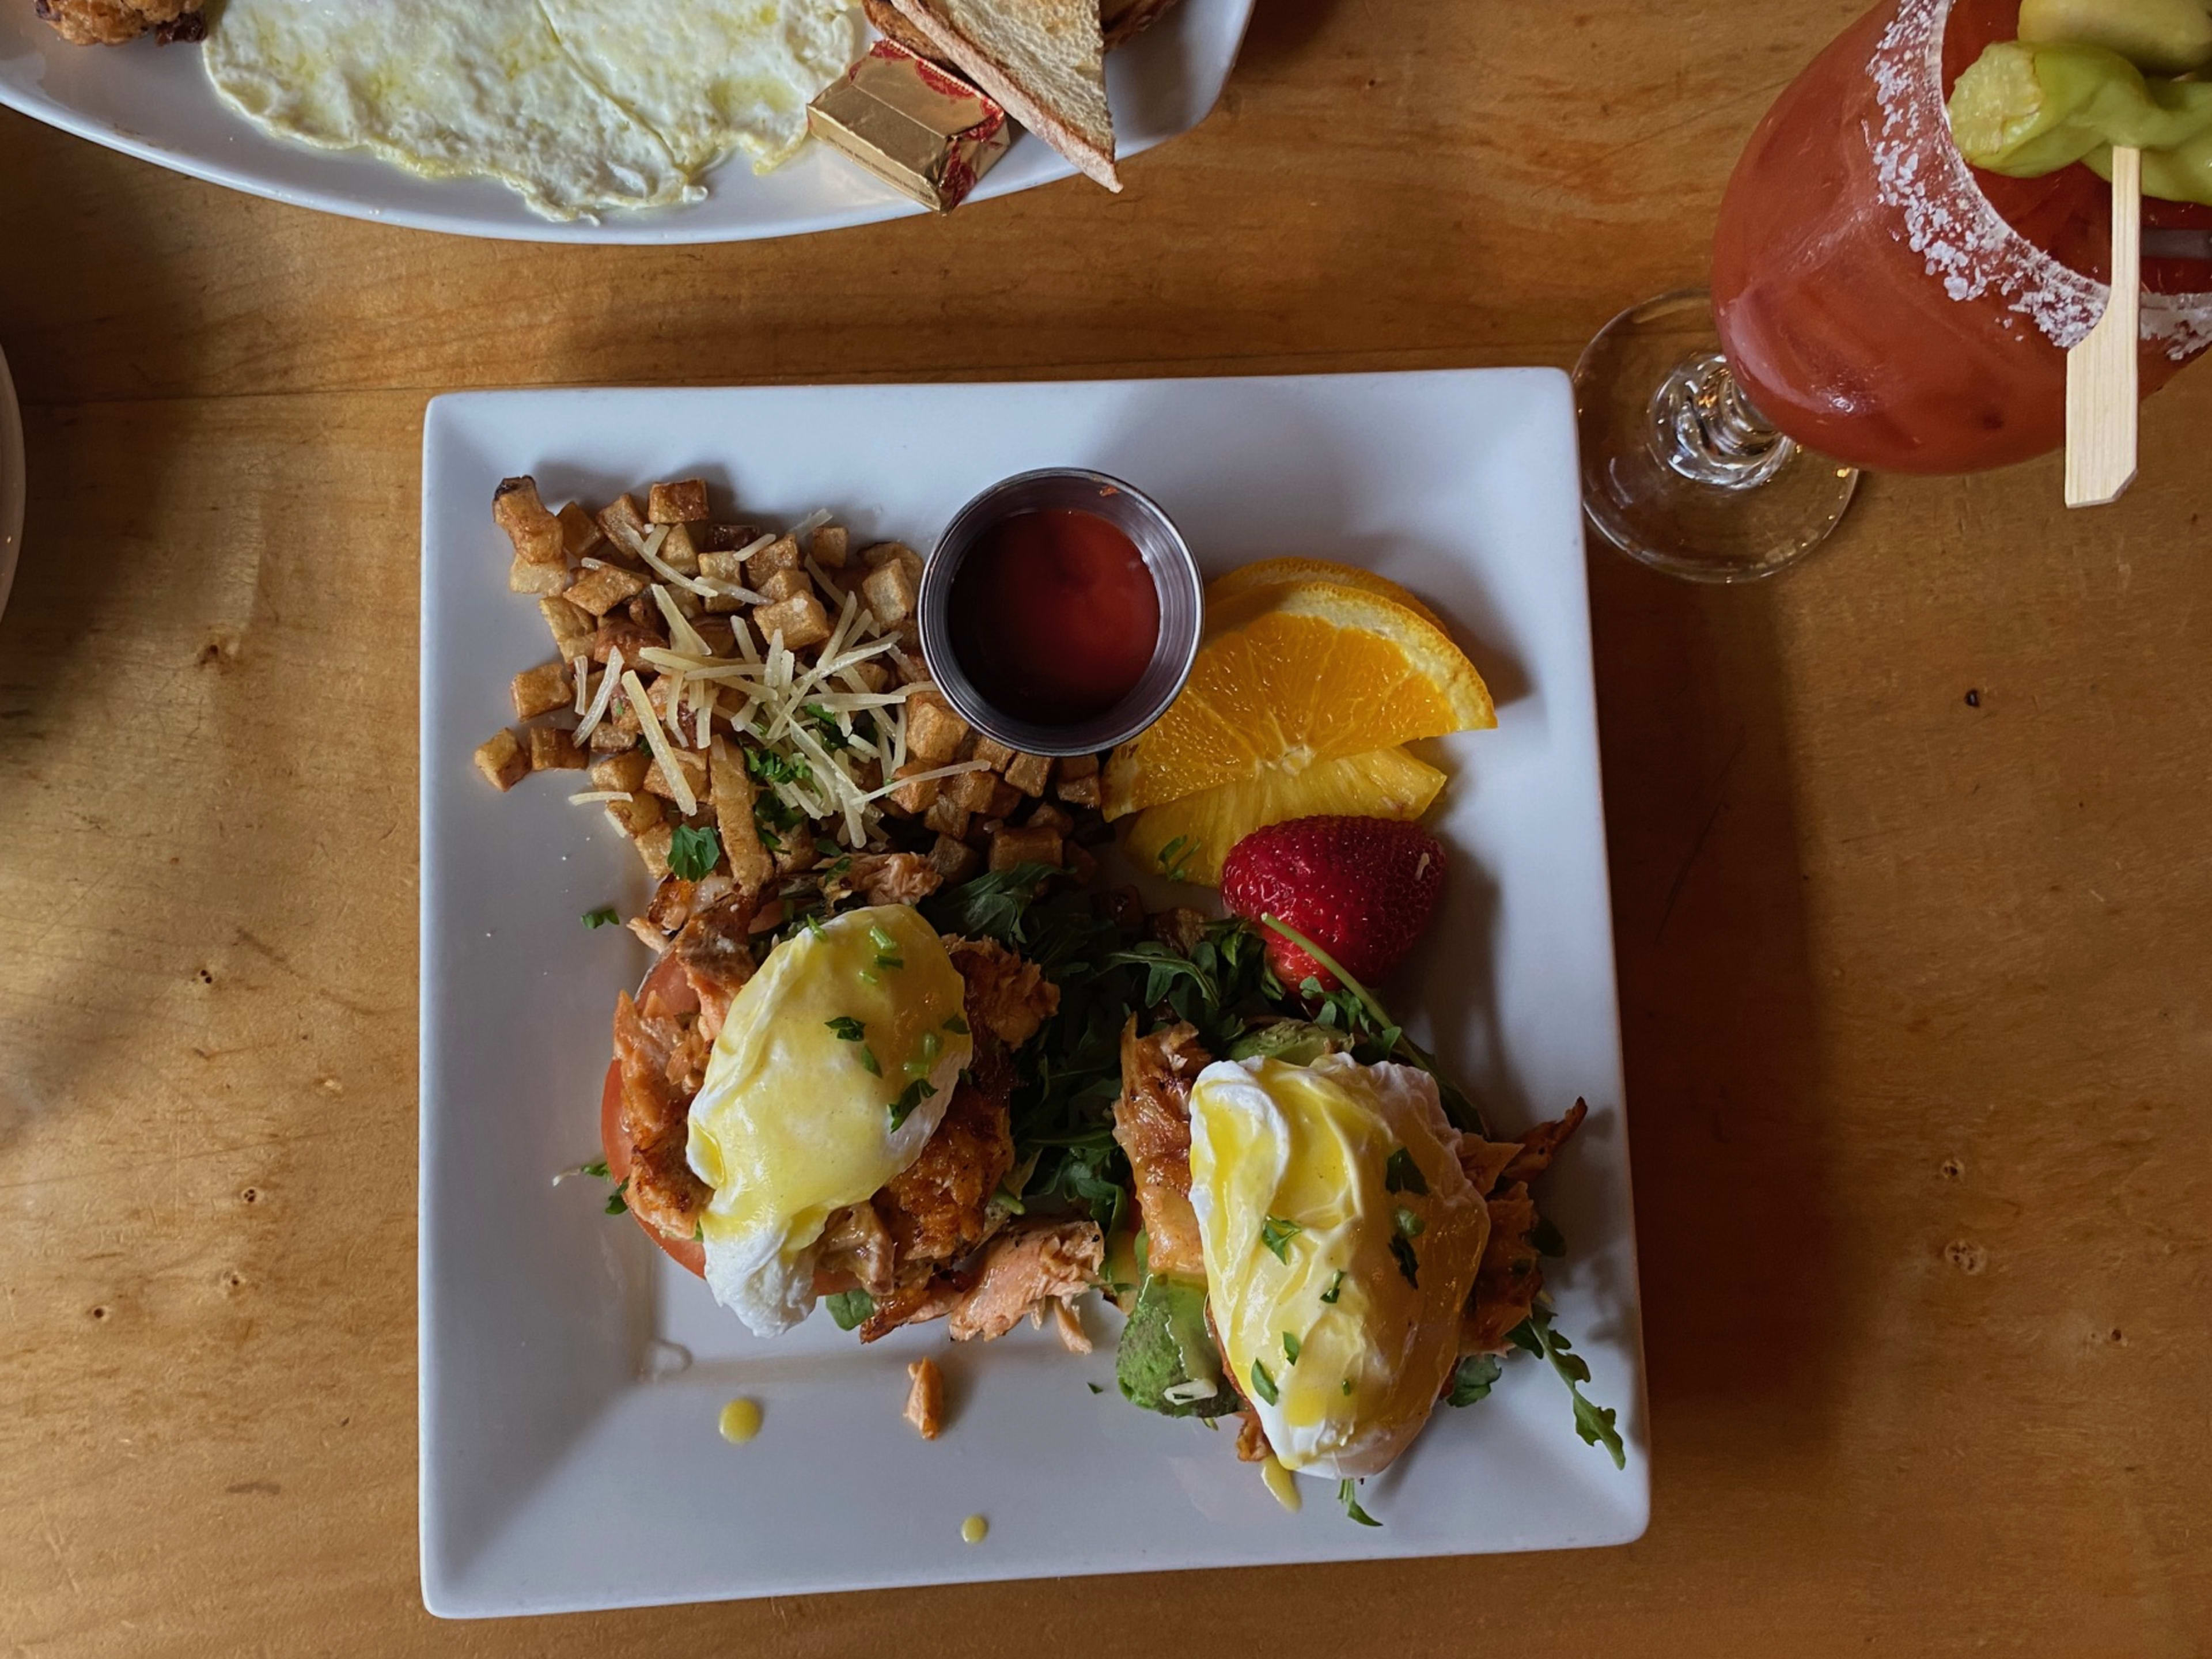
[{"x": 668, "y": 980}]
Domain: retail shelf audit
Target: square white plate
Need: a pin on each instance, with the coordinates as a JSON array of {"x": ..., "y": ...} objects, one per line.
[
  {"x": 155, "y": 103},
  {"x": 554, "y": 1476}
]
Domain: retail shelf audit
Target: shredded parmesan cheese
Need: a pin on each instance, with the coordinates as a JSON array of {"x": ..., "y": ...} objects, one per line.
[
  {"x": 656, "y": 740},
  {"x": 681, "y": 633},
  {"x": 600, "y": 698},
  {"x": 951, "y": 771},
  {"x": 589, "y": 796},
  {"x": 649, "y": 550},
  {"x": 582, "y": 671}
]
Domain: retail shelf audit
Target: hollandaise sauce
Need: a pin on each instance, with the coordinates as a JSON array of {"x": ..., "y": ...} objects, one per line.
[
  {"x": 740, "y": 1421},
  {"x": 975, "y": 1529}
]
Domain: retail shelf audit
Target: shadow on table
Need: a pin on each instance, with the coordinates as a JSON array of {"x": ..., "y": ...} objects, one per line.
[{"x": 1742, "y": 1282}]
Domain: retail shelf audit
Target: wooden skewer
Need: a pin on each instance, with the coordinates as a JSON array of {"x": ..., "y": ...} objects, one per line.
[{"x": 2100, "y": 372}]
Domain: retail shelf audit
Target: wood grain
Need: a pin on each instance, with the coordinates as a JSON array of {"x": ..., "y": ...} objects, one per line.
[{"x": 1916, "y": 984}]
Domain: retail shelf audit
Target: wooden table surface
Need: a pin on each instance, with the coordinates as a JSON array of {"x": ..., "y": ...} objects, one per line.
[{"x": 1916, "y": 987}]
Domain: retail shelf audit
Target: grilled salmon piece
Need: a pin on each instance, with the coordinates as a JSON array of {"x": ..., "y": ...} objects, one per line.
[
  {"x": 1007, "y": 997},
  {"x": 1152, "y": 1124},
  {"x": 1027, "y": 1266}
]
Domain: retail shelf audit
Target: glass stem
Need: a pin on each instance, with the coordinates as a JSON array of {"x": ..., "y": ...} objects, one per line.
[{"x": 1705, "y": 429}]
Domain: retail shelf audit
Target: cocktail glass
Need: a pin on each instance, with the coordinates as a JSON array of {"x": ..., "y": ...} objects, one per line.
[{"x": 1877, "y": 303}]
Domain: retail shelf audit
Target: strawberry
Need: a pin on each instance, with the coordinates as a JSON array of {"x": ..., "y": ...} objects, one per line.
[{"x": 1361, "y": 888}]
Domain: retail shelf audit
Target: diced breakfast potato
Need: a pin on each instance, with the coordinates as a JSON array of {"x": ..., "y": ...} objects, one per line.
[
  {"x": 783, "y": 584},
  {"x": 725, "y": 538},
  {"x": 883, "y": 553},
  {"x": 828, "y": 545},
  {"x": 690, "y": 762},
  {"x": 947, "y": 817},
  {"x": 933, "y": 732},
  {"x": 1029, "y": 774},
  {"x": 580, "y": 533},
  {"x": 970, "y": 791},
  {"x": 524, "y": 577},
  {"x": 1005, "y": 797},
  {"x": 750, "y": 867},
  {"x": 954, "y": 860},
  {"x": 993, "y": 753},
  {"x": 600, "y": 589},
  {"x": 554, "y": 750},
  {"x": 502, "y": 760},
  {"x": 1011, "y": 847},
  {"x": 637, "y": 816},
  {"x": 625, "y": 771},
  {"x": 684, "y": 501},
  {"x": 1079, "y": 766},
  {"x": 801, "y": 621},
  {"x": 781, "y": 554},
  {"x": 873, "y": 675},
  {"x": 535, "y": 533},
  {"x": 891, "y": 592},
  {"x": 540, "y": 690},
  {"x": 915, "y": 797},
  {"x": 624, "y": 524},
  {"x": 652, "y": 848},
  {"x": 1080, "y": 791},
  {"x": 719, "y": 632},
  {"x": 621, "y": 634},
  {"x": 1046, "y": 816},
  {"x": 679, "y": 551},
  {"x": 570, "y": 626}
]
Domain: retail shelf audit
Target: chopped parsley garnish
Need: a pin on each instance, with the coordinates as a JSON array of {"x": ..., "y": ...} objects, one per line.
[
  {"x": 909, "y": 1097},
  {"x": 1174, "y": 858},
  {"x": 1594, "y": 1423},
  {"x": 1347, "y": 1387},
  {"x": 814, "y": 925},
  {"x": 605, "y": 917},
  {"x": 616, "y": 1203},
  {"x": 880, "y": 939},
  {"x": 1349, "y": 1492},
  {"x": 870, "y": 976},
  {"x": 1402, "y": 1174},
  {"x": 931, "y": 1046},
  {"x": 1335, "y": 1289},
  {"x": 1291, "y": 1346},
  {"x": 770, "y": 766},
  {"x": 1472, "y": 1381},
  {"x": 849, "y": 1308},
  {"x": 771, "y": 814},
  {"x": 956, "y": 1025},
  {"x": 693, "y": 854},
  {"x": 868, "y": 1060},
  {"x": 1264, "y": 1385},
  {"x": 848, "y": 1028},
  {"x": 831, "y": 734},
  {"x": 1402, "y": 1248},
  {"x": 1408, "y": 1224},
  {"x": 1276, "y": 1234},
  {"x": 699, "y": 1233}
]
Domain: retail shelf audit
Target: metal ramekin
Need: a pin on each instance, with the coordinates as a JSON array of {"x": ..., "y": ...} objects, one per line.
[{"x": 1174, "y": 578}]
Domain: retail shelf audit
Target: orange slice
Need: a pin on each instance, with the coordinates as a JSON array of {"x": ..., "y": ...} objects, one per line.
[
  {"x": 1292, "y": 676},
  {"x": 1187, "y": 839},
  {"x": 1268, "y": 572}
]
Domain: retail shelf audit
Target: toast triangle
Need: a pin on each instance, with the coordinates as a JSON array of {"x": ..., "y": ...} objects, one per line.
[{"x": 1043, "y": 60}]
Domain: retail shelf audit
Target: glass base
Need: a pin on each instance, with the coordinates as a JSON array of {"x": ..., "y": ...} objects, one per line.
[{"x": 1680, "y": 470}]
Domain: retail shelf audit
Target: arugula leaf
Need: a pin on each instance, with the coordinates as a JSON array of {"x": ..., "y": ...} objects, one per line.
[
  {"x": 1291, "y": 1346},
  {"x": 1472, "y": 1381},
  {"x": 849, "y": 1308},
  {"x": 598, "y": 1167},
  {"x": 693, "y": 854},
  {"x": 848, "y": 1028},
  {"x": 1349, "y": 1492},
  {"x": 1546, "y": 1238},
  {"x": 909, "y": 1097},
  {"x": 605, "y": 917},
  {"x": 1594, "y": 1424},
  {"x": 1401, "y": 1250},
  {"x": 1174, "y": 858},
  {"x": 1335, "y": 1289},
  {"x": 993, "y": 906},
  {"x": 1402, "y": 1174},
  {"x": 616, "y": 1205},
  {"x": 1264, "y": 1385},
  {"x": 956, "y": 1025},
  {"x": 1276, "y": 1234}
]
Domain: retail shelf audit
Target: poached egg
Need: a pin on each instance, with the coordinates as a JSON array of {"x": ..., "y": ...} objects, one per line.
[
  {"x": 1340, "y": 1239},
  {"x": 836, "y": 1062}
]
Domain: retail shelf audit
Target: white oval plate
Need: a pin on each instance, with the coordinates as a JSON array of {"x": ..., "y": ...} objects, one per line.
[{"x": 154, "y": 102}]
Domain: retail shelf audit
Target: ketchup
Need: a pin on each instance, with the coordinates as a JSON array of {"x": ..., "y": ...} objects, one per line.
[{"x": 1053, "y": 615}]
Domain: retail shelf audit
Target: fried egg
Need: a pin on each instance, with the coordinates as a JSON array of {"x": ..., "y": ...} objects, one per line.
[
  {"x": 834, "y": 1064},
  {"x": 576, "y": 104},
  {"x": 1340, "y": 1239}
]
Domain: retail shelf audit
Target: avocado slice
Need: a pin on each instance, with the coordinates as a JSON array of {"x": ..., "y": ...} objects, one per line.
[{"x": 1167, "y": 1360}]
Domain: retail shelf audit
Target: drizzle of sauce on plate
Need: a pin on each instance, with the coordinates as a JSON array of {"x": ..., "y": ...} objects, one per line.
[
  {"x": 740, "y": 1421},
  {"x": 974, "y": 1529}
]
